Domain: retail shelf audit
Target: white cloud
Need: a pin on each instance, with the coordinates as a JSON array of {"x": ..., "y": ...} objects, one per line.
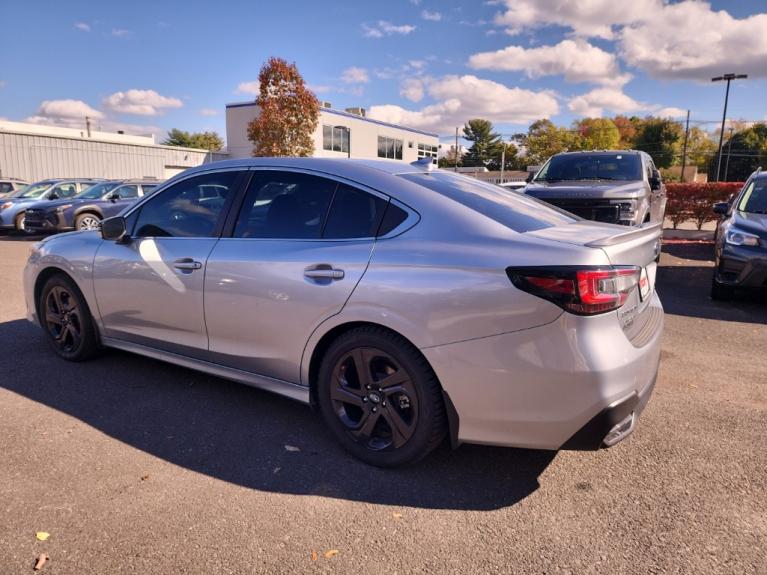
[
  {"x": 208, "y": 112},
  {"x": 140, "y": 102},
  {"x": 577, "y": 60},
  {"x": 121, "y": 33},
  {"x": 317, "y": 88},
  {"x": 460, "y": 98},
  {"x": 689, "y": 40},
  {"x": 67, "y": 113},
  {"x": 83, "y": 26},
  {"x": 434, "y": 16},
  {"x": 248, "y": 88},
  {"x": 597, "y": 102},
  {"x": 591, "y": 18},
  {"x": 355, "y": 75},
  {"x": 412, "y": 89},
  {"x": 384, "y": 28}
]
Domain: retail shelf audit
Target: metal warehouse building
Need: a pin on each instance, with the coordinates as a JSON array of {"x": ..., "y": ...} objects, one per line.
[
  {"x": 339, "y": 135},
  {"x": 34, "y": 152}
]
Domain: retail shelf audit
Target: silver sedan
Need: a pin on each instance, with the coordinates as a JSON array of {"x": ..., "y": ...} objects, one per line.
[{"x": 407, "y": 305}]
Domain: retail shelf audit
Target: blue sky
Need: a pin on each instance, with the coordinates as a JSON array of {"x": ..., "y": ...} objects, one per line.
[{"x": 152, "y": 66}]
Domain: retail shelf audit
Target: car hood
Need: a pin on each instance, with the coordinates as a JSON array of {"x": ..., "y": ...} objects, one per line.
[
  {"x": 49, "y": 205},
  {"x": 586, "y": 190},
  {"x": 21, "y": 200},
  {"x": 753, "y": 223}
]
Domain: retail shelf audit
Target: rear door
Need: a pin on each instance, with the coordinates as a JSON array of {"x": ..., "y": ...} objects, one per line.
[{"x": 298, "y": 248}]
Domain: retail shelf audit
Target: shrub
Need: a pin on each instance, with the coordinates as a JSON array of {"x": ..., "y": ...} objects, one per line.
[{"x": 692, "y": 201}]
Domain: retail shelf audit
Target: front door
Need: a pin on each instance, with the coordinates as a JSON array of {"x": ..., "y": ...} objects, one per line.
[
  {"x": 150, "y": 289},
  {"x": 300, "y": 246}
]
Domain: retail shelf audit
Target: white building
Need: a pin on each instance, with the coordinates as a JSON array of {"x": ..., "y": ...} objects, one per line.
[
  {"x": 340, "y": 134},
  {"x": 35, "y": 152}
]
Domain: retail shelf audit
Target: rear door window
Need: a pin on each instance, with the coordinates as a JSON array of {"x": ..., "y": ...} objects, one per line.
[
  {"x": 354, "y": 214},
  {"x": 285, "y": 205}
]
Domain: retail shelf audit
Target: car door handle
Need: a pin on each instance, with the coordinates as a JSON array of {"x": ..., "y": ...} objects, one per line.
[
  {"x": 323, "y": 271},
  {"x": 187, "y": 264}
]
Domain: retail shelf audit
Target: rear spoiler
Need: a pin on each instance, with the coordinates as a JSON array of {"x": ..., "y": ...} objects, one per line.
[{"x": 646, "y": 232}]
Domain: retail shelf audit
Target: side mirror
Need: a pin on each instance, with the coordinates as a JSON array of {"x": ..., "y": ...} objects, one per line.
[
  {"x": 113, "y": 197},
  {"x": 53, "y": 196},
  {"x": 529, "y": 178},
  {"x": 721, "y": 208},
  {"x": 114, "y": 229},
  {"x": 655, "y": 180}
]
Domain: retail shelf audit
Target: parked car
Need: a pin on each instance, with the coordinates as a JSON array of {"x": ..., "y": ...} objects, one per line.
[
  {"x": 86, "y": 210},
  {"x": 12, "y": 208},
  {"x": 741, "y": 241},
  {"x": 10, "y": 185},
  {"x": 404, "y": 303},
  {"x": 617, "y": 187}
]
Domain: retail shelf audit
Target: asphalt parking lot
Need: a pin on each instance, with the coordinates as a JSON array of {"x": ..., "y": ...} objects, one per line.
[{"x": 136, "y": 466}]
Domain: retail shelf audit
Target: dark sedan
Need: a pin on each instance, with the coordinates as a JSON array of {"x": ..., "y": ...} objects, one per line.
[
  {"x": 85, "y": 211},
  {"x": 741, "y": 240}
]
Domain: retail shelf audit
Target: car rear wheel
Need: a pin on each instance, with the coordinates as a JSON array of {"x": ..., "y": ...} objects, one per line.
[
  {"x": 380, "y": 398},
  {"x": 87, "y": 222},
  {"x": 67, "y": 320}
]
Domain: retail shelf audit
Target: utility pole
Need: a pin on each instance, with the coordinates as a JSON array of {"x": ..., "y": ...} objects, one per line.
[
  {"x": 503, "y": 158},
  {"x": 729, "y": 149},
  {"x": 729, "y": 78},
  {"x": 684, "y": 149},
  {"x": 455, "y": 169}
]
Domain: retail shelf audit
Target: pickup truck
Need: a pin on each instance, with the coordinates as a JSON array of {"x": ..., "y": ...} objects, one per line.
[{"x": 615, "y": 186}]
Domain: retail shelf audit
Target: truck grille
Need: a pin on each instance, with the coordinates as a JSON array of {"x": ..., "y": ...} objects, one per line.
[{"x": 596, "y": 210}]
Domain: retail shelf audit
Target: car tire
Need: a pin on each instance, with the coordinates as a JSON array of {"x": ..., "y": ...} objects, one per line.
[
  {"x": 87, "y": 221},
  {"x": 19, "y": 222},
  {"x": 720, "y": 292},
  {"x": 66, "y": 320},
  {"x": 380, "y": 398}
]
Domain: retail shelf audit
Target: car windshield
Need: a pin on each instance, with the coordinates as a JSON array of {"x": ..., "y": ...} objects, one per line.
[
  {"x": 96, "y": 191},
  {"x": 755, "y": 198},
  {"x": 579, "y": 167},
  {"x": 33, "y": 190},
  {"x": 515, "y": 211}
]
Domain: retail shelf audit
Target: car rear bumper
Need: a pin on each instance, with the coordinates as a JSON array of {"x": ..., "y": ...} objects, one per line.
[
  {"x": 741, "y": 266},
  {"x": 564, "y": 385}
]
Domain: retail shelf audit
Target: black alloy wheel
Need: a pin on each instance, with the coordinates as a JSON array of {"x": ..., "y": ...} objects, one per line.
[
  {"x": 380, "y": 398},
  {"x": 67, "y": 320}
]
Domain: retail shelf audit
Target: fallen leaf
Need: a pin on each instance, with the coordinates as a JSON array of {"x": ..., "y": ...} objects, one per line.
[
  {"x": 144, "y": 477},
  {"x": 41, "y": 559},
  {"x": 42, "y": 535},
  {"x": 276, "y": 470},
  {"x": 314, "y": 556},
  {"x": 292, "y": 448},
  {"x": 331, "y": 553},
  {"x": 397, "y": 515}
]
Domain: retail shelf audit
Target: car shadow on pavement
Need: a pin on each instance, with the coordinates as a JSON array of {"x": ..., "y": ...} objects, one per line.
[
  {"x": 698, "y": 251},
  {"x": 684, "y": 290},
  {"x": 238, "y": 434}
]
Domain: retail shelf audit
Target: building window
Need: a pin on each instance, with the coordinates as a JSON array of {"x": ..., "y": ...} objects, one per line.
[
  {"x": 427, "y": 150},
  {"x": 389, "y": 148},
  {"x": 335, "y": 138}
]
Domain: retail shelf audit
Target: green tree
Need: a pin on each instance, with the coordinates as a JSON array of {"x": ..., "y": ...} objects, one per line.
[
  {"x": 701, "y": 147},
  {"x": 288, "y": 112},
  {"x": 748, "y": 152},
  {"x": 204, "y": 140},
  {"x": 661, "y": 138},
  {"x": 510, "y": 159},
  {"x": 449, "y": 159},
  {"x": 486, "y": 144},
  {"x": 598, "y": 134},
  {"x": 544, "y": 139}
]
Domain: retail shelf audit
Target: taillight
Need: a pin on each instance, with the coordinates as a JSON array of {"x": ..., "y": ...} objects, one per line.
[{"x": 579, "y": 290}]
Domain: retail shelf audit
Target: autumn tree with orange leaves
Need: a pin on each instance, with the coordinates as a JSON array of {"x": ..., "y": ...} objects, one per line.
[{"x": 288, "y": 112}]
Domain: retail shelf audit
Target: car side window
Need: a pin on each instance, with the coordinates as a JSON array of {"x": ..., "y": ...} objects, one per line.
[
  {"x": 5, "y": 187},
  {"x": 354, "y": 214},
  {"x": 65, "y": 190},
  {"x": 128, "y": 192},
  {"x": 186, "y": 209},
  {"x": 284, "y": 205}
]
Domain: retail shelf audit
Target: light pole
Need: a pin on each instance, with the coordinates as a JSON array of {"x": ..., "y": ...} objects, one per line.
[{"x": 729, "y": 78}]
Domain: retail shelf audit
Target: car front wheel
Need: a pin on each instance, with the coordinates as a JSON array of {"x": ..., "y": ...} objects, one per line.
[
  {"x": 87, "y": 222},
  {"x": 67, "y": 320},
  {"x": 380, "y": 398}
]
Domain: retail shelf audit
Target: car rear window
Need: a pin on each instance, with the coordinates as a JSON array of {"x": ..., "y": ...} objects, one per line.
[{"x": 513, "y": 210}]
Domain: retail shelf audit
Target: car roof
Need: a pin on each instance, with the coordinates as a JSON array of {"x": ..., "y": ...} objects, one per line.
[{"x": 595, "y": 152}]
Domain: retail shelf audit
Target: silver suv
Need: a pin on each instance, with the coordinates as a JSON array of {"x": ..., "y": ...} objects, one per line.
[{"x": 617, "y": 187}]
